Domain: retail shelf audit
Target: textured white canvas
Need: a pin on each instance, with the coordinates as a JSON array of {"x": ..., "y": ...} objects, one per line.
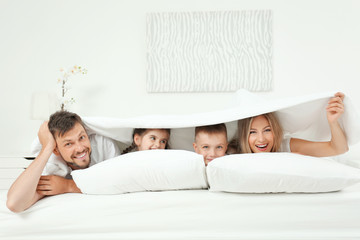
[{"x": 209, "y": 51}]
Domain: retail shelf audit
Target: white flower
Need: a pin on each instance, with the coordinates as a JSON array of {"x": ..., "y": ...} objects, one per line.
[{"x": 65, "y": 86}]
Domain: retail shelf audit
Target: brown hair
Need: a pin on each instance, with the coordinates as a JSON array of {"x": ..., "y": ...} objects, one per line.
[
  {"x": 142, "y": 132},
  {"x": 62, "y": 121},
  {"x": 244, "y": 132},
  {"x": 211, "y": 129}
]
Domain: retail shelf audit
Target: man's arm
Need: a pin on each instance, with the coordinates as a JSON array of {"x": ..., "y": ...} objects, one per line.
[{"x": 22, "y": 193}]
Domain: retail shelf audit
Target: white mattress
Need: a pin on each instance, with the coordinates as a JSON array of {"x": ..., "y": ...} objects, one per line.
[{"x": 190, "y": 214}]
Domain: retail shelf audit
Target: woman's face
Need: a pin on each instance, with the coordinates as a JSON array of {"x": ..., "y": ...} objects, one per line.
[
  {"x": 261, "y": 137},
  {"x": 152, "y": 139}
]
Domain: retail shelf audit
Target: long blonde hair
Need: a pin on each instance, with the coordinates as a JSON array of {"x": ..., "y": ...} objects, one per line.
[{"x": 244, "y": 133}]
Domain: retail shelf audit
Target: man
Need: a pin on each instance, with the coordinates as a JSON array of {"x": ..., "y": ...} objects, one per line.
[{"x": 63, "y": 138}]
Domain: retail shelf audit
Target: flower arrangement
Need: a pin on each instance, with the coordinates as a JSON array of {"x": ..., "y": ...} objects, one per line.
[{"x": 66, "y": 74}]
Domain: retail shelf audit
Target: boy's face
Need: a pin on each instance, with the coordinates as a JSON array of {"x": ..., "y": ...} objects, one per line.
[
  {"x": 74, "y": 147},
  {"x": 211, "y": 146}
]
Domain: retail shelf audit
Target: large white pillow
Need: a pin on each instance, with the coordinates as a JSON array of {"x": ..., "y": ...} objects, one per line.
[
  {"x": 150, "y": 170},
  {"x": 279, "y": 172}
]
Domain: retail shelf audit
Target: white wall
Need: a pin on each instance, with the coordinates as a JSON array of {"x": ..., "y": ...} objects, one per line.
[{"x": 316, "y": 48}]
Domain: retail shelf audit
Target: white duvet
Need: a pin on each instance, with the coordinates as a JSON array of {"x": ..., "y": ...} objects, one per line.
[{"x": 303, "y": 117}]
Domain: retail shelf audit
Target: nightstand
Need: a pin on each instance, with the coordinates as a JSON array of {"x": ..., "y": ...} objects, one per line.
[{"x": 10, "y": 169}]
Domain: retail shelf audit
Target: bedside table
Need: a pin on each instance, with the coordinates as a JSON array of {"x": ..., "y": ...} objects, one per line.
[{"x": 10, "y": 169}]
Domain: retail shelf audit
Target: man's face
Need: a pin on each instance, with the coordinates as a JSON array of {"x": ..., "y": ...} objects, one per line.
[
  {"x": 74, "y": 147},
  {"x": 211, "y": 146}
]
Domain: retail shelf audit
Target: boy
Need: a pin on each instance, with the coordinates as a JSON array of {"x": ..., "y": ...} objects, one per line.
[{"x": 211, "y": 141}]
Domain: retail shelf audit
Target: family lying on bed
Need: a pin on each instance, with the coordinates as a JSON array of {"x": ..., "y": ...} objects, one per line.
[{"x": 64, "y": 137}]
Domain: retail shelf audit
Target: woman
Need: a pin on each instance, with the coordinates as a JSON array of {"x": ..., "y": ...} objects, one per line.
[{"x": 263, "y": 133}]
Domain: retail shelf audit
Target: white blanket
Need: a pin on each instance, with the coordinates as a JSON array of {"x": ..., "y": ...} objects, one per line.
[
  {"x": 190, "y": 215},
  {"x": 303, "y": 117}
]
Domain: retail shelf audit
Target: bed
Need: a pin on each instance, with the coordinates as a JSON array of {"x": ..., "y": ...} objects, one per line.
[
  {"x": 170, "y": 203},
  {"x": 188, "y": 214}
]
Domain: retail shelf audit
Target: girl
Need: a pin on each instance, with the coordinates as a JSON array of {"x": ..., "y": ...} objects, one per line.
[
  {"x": 263, "y": 133},
  {"x": 148, "y": 139}
]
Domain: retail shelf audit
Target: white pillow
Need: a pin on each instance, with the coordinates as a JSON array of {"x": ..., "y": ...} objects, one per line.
[
  {"x": 278, "y": 172},
  {"x": 150, "y": 170}
]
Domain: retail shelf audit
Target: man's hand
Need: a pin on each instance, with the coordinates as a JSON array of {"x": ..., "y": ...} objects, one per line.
[
  {"x": 45, "y": 136},
  {"x": 53, "y": 185}
]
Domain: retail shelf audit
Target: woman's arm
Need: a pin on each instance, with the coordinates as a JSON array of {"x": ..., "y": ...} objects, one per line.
[{"x": 338, "y": 143}]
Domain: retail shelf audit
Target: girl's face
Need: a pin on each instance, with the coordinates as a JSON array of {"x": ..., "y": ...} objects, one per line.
[
  {"x": 152, "y": 139},
  {"x": 261, "y": 137}
]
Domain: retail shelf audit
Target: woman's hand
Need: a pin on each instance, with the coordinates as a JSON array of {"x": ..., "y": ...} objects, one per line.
[{"x": 335, "y": 107}]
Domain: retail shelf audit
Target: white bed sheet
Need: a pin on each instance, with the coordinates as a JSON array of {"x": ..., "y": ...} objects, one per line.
[{"x": 190, "y": 214}]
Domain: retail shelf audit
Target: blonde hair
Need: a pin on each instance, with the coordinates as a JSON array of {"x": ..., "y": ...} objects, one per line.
[{"x": 244, "y": 133}]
